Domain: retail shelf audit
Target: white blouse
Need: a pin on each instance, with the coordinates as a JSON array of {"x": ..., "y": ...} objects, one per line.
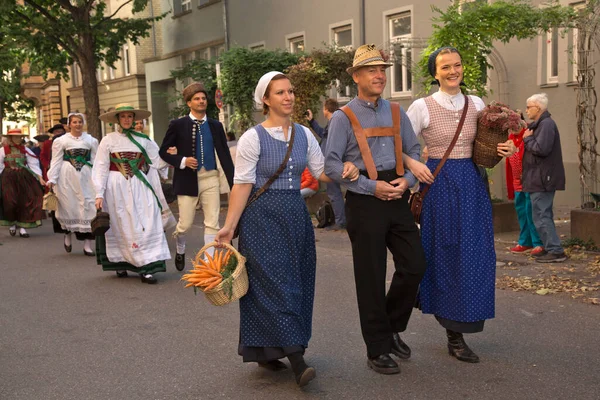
[
  {"x": 419, "y": 114},
  {"x": 248, "y": 152}
]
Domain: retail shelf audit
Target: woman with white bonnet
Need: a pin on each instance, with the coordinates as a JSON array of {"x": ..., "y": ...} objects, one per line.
[
  {"x": 275, "y": 232},
  {"x": 70, "y": 177}
]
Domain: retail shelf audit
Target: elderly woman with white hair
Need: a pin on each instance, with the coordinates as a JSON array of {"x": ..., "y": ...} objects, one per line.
[
  {"x": 543, "y": 174},
  {"x": 275, "y": 231},
  {"x": 70, "y": 177}
]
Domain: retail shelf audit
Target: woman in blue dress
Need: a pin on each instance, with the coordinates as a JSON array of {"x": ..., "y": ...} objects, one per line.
[
  {"x": 275, "y": 232},
  {"x": 456, "y": 224}
]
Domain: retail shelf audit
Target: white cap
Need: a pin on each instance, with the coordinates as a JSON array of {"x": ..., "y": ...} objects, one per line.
[{"x": 261, "y": 87}]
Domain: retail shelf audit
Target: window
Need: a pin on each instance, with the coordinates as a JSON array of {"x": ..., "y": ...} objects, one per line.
[
  {"x": 399, "y": 31},
  {"x": 342, "y": 36},
  {"x": 203, "y": 2},
  {"x": 257, "y": 46},
  {"x": 296, "y": 44},
  {"x": 552, "y": 56},
  {"x": 579, "y": 7},
  {"x": 126, "y": 64},
  {"x": 99, "y": 74},
  {"x": 111, "y": 73},
  {"x": 186, "y": 5}
]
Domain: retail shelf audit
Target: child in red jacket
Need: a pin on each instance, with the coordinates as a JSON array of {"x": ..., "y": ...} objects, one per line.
[{"x": 529, "y": 240}]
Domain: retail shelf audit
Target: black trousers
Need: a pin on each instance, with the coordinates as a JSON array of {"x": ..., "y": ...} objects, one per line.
[{"x": 374, "y": 226}]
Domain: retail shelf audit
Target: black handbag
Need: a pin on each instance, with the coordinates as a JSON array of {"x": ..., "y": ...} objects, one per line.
[{"x": 101, "y": 223}]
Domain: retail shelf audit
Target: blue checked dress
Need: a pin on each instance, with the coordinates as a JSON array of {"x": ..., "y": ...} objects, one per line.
[{"x": 277, "y": 238}]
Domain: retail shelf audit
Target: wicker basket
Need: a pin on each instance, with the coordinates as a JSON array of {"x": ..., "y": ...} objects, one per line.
[
  {"x": 50, "y": 201},
  {"x": 485, "y": 148},
  {"x": 218, "y": 295}
]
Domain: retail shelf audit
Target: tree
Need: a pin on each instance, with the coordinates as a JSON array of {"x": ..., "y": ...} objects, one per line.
[
  {"x": 240, "y": 71},
  {"x": 588, "y": 41},
  {"x": 55, "y": 33},
  {"x": 12, "y": 106},
  {"x": 197, "y": 70},
  {"x": 474, "y": 29}
]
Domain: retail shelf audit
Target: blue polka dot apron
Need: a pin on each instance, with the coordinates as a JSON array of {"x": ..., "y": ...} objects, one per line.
[
  {"x": 277, "y": 239},
  {"x": 458, "y": 239}
]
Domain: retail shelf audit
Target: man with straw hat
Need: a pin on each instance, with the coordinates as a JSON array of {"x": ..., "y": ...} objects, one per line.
[
  {"x": 374, "y": 135},
  {"x": 127, "y": 187},
  {"x": 20, "y": 186},
  {"x": 203, "y": 167}
]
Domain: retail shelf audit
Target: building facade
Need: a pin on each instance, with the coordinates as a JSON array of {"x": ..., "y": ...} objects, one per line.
[{"x": 202, "y": 28}]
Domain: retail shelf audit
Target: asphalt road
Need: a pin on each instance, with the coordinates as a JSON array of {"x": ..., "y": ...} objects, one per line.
[{"x": 70, "y": 331}]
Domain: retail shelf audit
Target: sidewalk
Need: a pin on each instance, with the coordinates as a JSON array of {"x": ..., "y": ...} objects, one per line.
[{"x": 577, "y": 278}]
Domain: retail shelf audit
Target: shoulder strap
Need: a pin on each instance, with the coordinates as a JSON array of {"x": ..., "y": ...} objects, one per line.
[
  {"x": 361, "y": 139},
  {"x": 396, "y": 118},
  {"x": 272, "y": 179},
  {"x": 449, "y": 149}
]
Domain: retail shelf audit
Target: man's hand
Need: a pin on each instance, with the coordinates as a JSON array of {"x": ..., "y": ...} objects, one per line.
[
  {"x": 309, "y": 115},
  {"x": 172, "y": 151},
  {"x": 350, "y": 171},
  {"x": 506, "y": 149},
  {"x": 388, "y": 191},
  {"x": 191, "y": 162},
  {"x": 527, "y": 133}
]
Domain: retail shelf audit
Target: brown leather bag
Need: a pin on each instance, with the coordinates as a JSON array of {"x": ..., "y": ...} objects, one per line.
[
  {"x": 416, "y": 199},
  {"x": 101, "y": 223}
]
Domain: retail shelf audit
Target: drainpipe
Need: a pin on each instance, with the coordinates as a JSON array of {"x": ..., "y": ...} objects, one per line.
[
  {"x": 153, "y": 28},
  {"x": 225, "y": 25},
  {"x": 361, "y": 19}
]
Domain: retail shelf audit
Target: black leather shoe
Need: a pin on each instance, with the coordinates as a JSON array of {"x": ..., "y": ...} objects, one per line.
[
  {"x": 273, "y": 365},
  {"x": 399, "y": 348},
  {"x": 180, "y": 261},
  {"x": 88, "y": 253},
  {"x": 24, "y": 235},
  {"x": 149, "y": 279},
  {"x": 383, "y": 364},
  {"x": 68, "y": 248},
  {"x": 121, "y": 274},
  {"x": 459, "y": 349}
]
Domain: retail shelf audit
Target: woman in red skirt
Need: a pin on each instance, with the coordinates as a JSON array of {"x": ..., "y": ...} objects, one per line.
[{"x": 20, "y": 186}]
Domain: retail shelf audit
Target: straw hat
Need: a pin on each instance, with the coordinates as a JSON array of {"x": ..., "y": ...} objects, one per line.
[
  {"x": 367, "y": 55},
  {"x": 112, "y": 116},
  {"x": 15, "y": 132}
]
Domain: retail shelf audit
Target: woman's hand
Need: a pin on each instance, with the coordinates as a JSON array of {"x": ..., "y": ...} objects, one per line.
[
  {"x": 99, "y": 203},
  {"x": 506, "y": 149},
  {"x": 42, "y": 181},
  {"x": 50, "y": 185},
  {"x": 350, "y": 171},
  {"x": 419, "y": 170},
  {"x": 225, "y": 235}
]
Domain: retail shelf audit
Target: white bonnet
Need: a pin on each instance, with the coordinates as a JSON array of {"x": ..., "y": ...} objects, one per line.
[
  {"x": 80, "y": 115},
  {"x": 261, "y": 87}
]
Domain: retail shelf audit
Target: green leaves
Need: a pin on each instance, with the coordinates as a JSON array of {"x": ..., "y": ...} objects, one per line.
[{"x": 473, "y": 30}]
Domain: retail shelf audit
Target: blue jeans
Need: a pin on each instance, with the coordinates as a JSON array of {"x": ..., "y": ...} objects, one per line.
[
  {"x": 334, "y": 191},
  {"x": 543, "y": 218},
  {"x": 529, "y": 236}
]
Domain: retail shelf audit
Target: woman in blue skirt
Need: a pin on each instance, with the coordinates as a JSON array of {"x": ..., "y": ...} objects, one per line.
[
  {"x": 275, "y": 232},
  {"x": 456, "y": 224}
]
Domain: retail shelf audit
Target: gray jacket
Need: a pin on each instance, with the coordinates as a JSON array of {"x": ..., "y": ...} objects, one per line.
[{"x": 543, "y": 169}]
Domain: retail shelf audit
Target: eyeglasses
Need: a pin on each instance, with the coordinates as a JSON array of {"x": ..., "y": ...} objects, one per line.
[{"x": 528, "y": 107}]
